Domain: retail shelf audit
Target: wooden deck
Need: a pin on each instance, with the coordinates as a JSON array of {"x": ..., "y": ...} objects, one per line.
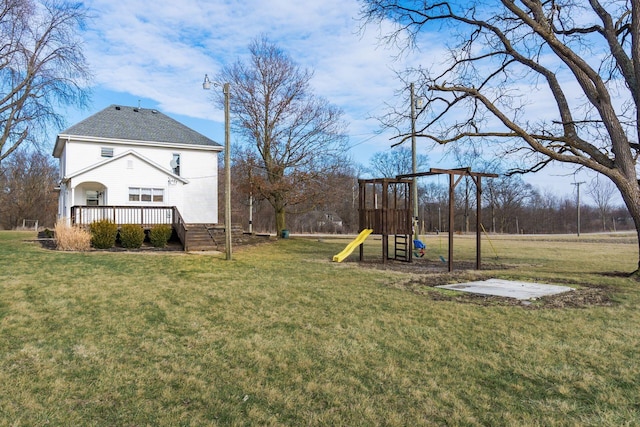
[{"x": 146, "y": 216}]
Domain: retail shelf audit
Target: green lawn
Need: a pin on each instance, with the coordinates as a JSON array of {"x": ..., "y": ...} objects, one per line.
[{"x": 282, "y": 336}]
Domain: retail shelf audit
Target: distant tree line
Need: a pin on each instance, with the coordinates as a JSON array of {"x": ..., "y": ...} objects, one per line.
[
  {"x": 27, "y": 189},
  {"x": 509, "y": 205}
]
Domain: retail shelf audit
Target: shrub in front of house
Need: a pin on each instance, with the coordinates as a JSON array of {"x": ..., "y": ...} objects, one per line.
[
  {"x": 71, "y": 238},
  {"x": 159, "y": 235},
  {"x": 131, "y": 236},
  {"x": 103, "y": 234}
]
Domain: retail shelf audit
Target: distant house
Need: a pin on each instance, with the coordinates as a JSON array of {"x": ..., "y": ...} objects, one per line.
[
  {"x": 320, "y": 221},
  {"x": 330, "y": 220},
  {"x": 136, "y": 165}
]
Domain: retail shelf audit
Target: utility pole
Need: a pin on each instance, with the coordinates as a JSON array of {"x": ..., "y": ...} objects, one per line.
[
  {"x": 577, "y": 184},
  {"x": 206, "y": 85},
  {"x": 227, "y": 172},
  {"x": 250, "y": 213},
  {"x": 414, "y": 166}
]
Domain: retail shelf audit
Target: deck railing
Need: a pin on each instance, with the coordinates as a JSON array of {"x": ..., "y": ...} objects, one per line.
[
  {"x": 181, "y": 228},
  {"x": 146, "y": 216}
]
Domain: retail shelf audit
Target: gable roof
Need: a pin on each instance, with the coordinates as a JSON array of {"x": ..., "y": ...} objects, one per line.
[
  {"x": 125, "y": 154},
  {"x": 135, "y": 124}
]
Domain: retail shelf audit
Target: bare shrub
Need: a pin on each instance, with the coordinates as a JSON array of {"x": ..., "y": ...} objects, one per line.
[{"x": 71, "y": 238}]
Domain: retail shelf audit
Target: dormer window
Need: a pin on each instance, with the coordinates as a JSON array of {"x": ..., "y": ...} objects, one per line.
[{"x": 106, "y": 152}]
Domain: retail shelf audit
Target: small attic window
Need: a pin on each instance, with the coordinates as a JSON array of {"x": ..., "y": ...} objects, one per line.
[{"x": 106, "y": 152}]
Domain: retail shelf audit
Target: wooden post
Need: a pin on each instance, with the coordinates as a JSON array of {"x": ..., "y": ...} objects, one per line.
[
  {"x": 451, "y": 220},
  {"x": 362, "y": 213},
  {"x": 385, "y": 221},
  {"x": 478, "y": 221}
]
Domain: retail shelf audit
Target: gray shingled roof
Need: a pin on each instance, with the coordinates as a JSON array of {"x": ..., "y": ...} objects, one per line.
[{"x": 137, "y": 124}]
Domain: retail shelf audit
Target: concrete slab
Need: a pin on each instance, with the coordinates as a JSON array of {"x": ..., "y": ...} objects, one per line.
[{"x": 508, "y": 288}]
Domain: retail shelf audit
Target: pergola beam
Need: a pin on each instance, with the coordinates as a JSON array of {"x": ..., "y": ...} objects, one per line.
[
  {"x": 456, "y": 171},
  {"x": 477, "y": 180}
]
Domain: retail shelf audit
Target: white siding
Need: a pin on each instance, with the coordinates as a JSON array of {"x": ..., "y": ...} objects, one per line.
[{"x": 197, "y": 200}]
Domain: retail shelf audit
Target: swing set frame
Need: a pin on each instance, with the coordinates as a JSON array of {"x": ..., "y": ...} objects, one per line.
[{"x": 392, "y": 215}]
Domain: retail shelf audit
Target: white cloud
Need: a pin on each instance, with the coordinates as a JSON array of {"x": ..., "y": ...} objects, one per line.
[{"x": 160, "y": 51}]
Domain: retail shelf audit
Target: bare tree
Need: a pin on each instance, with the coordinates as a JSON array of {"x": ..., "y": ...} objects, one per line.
[
  {"x": 292, "y": 136},
  {"x": 397, "y": 161},
  {"x": 584, "y": 57},
  {"x": 27, "y": 181},
  {"x": 433, "y": 203},
  {"x": 602, "y": 192},
  {"x": 508, "y": 197},
  {"x": 41, "y": 67}
]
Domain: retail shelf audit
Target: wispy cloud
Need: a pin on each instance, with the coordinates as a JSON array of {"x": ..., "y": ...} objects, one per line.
[{"x": 160, "y": 51}]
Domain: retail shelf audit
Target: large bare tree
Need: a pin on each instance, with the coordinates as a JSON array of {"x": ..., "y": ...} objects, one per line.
[
  {"x": 555, "y": 80},
  {"x": 42, "y": 68},
  {"x": 293, "y": 137}
]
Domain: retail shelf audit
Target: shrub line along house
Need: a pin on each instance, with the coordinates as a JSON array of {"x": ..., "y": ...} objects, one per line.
[{"x": 139, "y": 166}]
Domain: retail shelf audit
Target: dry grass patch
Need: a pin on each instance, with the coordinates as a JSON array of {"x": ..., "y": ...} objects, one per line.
[{"x": 71, "y": 238}]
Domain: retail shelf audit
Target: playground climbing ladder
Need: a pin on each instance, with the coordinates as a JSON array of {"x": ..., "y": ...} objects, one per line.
[{"x": 402, "y": 248}]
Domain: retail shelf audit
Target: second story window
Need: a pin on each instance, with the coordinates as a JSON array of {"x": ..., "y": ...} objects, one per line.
[
  {"x": 175, "y": 164},
  {"x": 106, "y": 152}
]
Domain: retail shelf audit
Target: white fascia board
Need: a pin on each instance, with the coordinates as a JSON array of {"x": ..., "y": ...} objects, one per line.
[
  {"x": 156, "y": 144},
  {"x": 57, "y": 148},
  {"x": 120, "y": 156}
]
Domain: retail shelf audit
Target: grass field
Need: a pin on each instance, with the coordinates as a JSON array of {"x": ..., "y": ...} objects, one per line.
[{"x": 282, "y": 336}]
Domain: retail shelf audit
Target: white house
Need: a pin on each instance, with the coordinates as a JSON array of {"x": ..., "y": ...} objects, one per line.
[{"x": 139, "y": 163}]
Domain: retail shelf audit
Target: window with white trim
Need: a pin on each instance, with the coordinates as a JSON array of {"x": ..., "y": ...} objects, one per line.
[
  {"x": 93, "y": 198},
  {"x": 146, "y": 195},
  {"x": 175, "y": 164}
]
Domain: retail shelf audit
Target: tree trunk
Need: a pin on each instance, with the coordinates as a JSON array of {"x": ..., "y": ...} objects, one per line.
[
  {"x": 631, "y": 196},
  {"x": 280, "y": 220},
  {"x": 636, "y": 219},
  {"x": 637, "y": 272}
]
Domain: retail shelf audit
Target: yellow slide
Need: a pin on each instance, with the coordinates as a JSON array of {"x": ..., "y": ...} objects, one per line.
[{"x": 351, "y": 246}]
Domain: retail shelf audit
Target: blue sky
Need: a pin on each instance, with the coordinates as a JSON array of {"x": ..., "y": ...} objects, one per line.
[{"x": 156, "y": 54}]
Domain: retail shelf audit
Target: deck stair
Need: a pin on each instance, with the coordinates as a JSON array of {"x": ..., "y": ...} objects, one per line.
[{"x": 200, "y": 237}]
